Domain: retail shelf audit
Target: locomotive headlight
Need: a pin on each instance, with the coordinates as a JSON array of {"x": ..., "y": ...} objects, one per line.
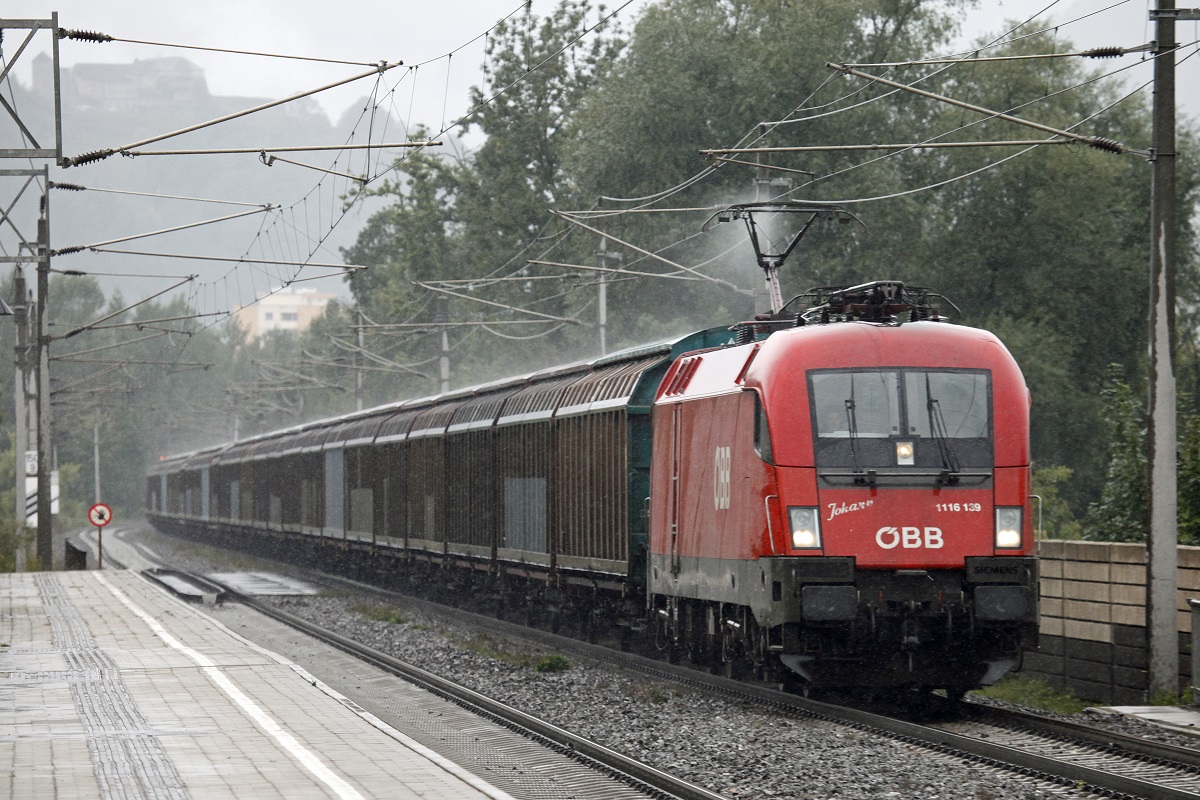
[
  {"x": 904, "y": 454},
  {"x": 1008, "y": 527},
  {"x": 806, "y": 528}
]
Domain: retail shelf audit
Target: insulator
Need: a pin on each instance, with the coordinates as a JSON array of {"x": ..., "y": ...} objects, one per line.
[
  {"x": 69, "y": 187},
  {"x": 87, "y": 158},
  {"x": 1103, "y": 52},
  {"x": 84, "y": 36},
  {"x": 69, "y": 250},
  {"x": 1107, "y": 145}
]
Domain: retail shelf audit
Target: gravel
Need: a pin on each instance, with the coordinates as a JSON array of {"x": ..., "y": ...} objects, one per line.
[{"x": 738, "y": 750}]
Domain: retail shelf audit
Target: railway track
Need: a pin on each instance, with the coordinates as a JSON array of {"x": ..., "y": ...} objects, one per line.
[
  {"x": 642, "y": 777},
  {"x": 1061, "y": 752},
  {"x": 1057, "y": 753},
  {"x": 635, "y": 773}
]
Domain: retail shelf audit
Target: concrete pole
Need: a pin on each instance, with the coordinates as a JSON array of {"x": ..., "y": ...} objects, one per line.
[
  {"x": 1163, "y": 524},
  {"x": 442, "y": 316},
  {"x": 20, "y": 401},
  {"x": 45, "y": 540}
]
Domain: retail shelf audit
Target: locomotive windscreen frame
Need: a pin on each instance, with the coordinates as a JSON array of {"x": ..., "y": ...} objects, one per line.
[{"x": 903, "y": 423}]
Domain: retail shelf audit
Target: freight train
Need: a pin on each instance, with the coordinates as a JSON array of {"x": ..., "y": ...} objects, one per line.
[{"x": 836, "y": 495}]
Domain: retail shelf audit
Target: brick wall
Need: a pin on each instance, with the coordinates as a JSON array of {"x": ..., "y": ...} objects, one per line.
[{"x": 1093, "y": 625}]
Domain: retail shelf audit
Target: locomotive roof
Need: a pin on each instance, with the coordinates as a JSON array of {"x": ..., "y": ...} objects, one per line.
[
  {"x": 561, "y": 390},
  {"x": 841, "y": 344}
]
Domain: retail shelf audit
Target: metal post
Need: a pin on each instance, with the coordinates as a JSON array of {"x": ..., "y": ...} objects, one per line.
[
  {"x": 96, "y": 456},
  {"x": 763, "y": 303},
  {"x": 602, "y": 289},
  {"x": 45, "y": 541},
  {"x": 20, "y": 400},
  {"x": 1163, "y": 525},
  {"x": 57, "y": 90},
  {"x": 358, "y": 363}
]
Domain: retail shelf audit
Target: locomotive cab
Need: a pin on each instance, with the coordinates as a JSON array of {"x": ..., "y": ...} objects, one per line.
[{"x": 878, "y": 528}]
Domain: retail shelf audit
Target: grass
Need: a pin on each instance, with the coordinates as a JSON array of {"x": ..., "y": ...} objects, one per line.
[
  {"x": 1034, "y": 694},
  {"x": 648, "y": 693},
  {"x": 1185, "y": 698},
  {"x": 488, "y": 647},
  {"x": 554, "y": 663}
]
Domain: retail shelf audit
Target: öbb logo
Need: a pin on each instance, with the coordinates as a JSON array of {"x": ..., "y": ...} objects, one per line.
[
  {"x": 909, "y": 538},
  {"x": 722, "y": 466}
]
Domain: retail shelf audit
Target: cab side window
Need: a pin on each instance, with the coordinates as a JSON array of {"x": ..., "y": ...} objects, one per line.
[{"x": 762, "y": 433}]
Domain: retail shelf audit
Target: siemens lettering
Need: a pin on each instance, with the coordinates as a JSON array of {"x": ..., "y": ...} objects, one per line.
[{"x": 909, "y": 538}]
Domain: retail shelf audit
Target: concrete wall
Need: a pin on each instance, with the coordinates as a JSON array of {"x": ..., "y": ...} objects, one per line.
[{"x": 1093, "y": 625}]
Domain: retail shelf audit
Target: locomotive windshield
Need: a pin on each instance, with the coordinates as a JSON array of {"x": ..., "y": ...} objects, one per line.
[{"x": 911, "y": 420}]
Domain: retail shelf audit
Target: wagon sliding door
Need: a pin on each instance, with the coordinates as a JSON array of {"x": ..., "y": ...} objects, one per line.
[
  {"x": 523, "y": 459},
  {"x": 591, "y": 493},
  {"x": 525, "y": 465}
]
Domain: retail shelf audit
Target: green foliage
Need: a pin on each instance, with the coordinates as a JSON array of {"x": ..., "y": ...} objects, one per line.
[
  {"x": 1047, "y": 249},
  {"x": 1171, "y": 698},
  {"x": 553, "y": 663},
  {"x": 643, "y": 692},
  {"x": 1020, "y": 244},
  {"x": 144, "y": 395},
  {"x": 1120, "y": 513},
  {"x": 1057, "y": 519},
  {"x": 392, "y": 616},
  {"x": 518, "y": 171},
  {"x": 1033, "y": 693},
  {"x": 1189, "y": 479},
  {"x": 488, "y": 647}
]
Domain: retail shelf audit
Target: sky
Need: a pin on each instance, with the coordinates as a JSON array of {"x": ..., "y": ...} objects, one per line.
[
  {"x": 419, "y": 32},
  {"x": 370, "y": 31},
  {"x": 361, "y": 31}
]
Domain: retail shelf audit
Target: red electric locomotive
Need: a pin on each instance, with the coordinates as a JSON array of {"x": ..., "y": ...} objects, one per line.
[{"x": 847, "y": 501}]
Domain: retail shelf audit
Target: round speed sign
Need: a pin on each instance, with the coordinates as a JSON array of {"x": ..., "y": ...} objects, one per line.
[{"x": 100, "y": 515}]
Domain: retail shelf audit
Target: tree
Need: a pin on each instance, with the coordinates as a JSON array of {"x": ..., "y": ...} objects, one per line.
[
  {"x": 474, "y": 217},
  {"x": 536, "y": 77},
  {"x": 1054, "y": 515},
  {"x": 1048, "y": 248},
  {"x": 1051, "y": 246},
  {"x": 1120, "y": 513}
]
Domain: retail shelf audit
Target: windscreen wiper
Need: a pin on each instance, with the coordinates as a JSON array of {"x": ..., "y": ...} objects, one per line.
[
  {"x": 852, "y": 422},
  {"x": 937, "y": 426}
]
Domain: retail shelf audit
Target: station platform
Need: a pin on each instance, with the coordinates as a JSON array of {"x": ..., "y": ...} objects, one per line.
[
  {"x": 111, "y": 688},
  {"x": 1181, "y": 719}
]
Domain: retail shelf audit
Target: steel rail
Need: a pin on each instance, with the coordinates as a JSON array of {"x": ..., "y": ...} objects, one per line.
[
  {"x": 1002, "y": 756},
  {"x": 1133, "y": 745},
  {"x": 619, "y": 765}
]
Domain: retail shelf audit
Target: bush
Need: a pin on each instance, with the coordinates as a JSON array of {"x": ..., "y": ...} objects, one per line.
[{"x": 555, "y": 663}]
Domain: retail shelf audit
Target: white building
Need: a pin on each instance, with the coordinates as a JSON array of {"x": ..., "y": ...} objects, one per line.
[{"x": 287, "y": 310}]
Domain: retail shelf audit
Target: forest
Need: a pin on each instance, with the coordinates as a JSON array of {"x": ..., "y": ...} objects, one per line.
[{"x": 584, "y": 125}]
